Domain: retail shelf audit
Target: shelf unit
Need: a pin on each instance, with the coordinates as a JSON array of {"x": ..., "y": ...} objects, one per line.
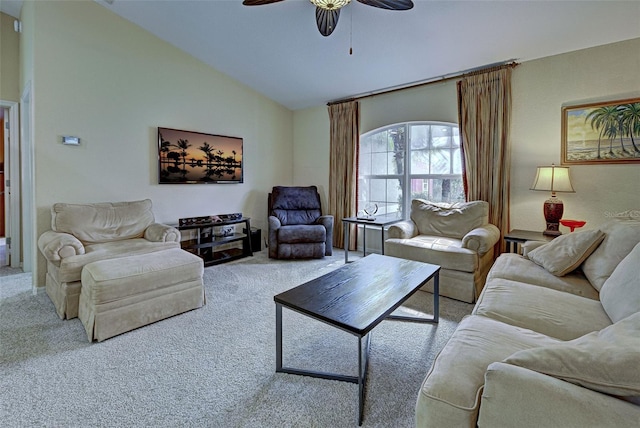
[{"x": 200, "y": 240}]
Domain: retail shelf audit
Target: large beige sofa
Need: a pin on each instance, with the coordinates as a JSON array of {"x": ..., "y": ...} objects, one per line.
[
  {"x": 547, "y": 345},
  {"x": 457, "y": 237},
  {"x": 85, "y": 233}
]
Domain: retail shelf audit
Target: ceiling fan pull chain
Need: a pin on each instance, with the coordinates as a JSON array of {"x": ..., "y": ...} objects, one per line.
[{"x": 351, "y": 31}]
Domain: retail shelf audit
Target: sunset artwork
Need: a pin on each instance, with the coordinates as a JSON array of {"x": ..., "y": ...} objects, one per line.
[
  {"x": 607, "y": 132},
  {"x": 193, "y": 157}
]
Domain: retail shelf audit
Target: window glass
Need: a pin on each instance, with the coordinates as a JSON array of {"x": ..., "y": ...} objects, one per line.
[{"x": 410, "y": 160}]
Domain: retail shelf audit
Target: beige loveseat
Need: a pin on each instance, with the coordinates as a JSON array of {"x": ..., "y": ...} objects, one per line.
[
  {"x": 457, "y": 237},
  {"x": 84, "y": 233},
  {"x": 553, "y": 341}
]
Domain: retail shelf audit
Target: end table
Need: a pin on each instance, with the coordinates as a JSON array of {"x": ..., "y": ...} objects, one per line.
[
  {"x": 515, "y": 238},
  {"x": 381, "y": 222}
]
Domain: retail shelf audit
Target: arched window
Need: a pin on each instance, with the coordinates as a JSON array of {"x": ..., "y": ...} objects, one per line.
[{"x": 404, "y": 161}]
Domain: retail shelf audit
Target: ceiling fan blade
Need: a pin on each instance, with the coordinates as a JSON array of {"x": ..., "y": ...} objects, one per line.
[
  {"x": 327, "y": 20},
  {"x": 389, "y": 4},
  {"x": 259, "y": 2}
]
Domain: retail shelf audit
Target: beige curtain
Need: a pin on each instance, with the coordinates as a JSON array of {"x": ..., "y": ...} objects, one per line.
[
  {"x": 344, "y": 121},
  {"x": 484, "y": 113}
]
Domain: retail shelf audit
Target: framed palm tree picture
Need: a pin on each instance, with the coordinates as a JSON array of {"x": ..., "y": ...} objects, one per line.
[
  {"x": 187, "y": 157},
  {"x": 604, "y": 132}
]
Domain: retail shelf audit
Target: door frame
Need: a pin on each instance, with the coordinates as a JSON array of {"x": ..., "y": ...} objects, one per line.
[{"x": 27, "y": 177}]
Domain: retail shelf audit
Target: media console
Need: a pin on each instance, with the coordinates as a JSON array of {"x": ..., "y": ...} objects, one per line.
[{"x": 213, "y": 243}]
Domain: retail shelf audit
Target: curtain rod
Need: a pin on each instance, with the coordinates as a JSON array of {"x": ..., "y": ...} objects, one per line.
[{"x": 445, "y": 77}]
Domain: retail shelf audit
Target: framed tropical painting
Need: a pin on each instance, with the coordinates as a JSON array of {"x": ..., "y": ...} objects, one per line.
[{"x": 605, "y": 132}]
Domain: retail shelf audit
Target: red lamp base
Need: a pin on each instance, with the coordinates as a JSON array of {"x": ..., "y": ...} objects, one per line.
[
  {"x": 572, "y": 224},
  {"x": 553, "y": 210}
]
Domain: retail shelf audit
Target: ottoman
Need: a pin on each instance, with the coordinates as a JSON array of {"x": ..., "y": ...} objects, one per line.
[{"x": 119, "y": 295}]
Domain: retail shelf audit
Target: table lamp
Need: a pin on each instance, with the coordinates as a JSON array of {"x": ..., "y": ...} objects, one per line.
[{"x": 553, "y": 179}]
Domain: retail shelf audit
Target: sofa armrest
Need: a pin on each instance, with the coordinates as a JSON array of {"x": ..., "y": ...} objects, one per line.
[
  {"x": 402, "y": 230},
  {"x": 481, "y": 239},
  {"x": 274, "y": 225},
  {"x": 528, "y": 246},
  {"x": 56, "y": 246},
  {"x": 157, "y": 232},
  {"x": 327, "y": 222},
  {"x": 515, "y": 396}
]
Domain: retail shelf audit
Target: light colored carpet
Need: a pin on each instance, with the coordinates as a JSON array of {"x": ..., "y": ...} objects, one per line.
[{"x": 212, "y": 367}]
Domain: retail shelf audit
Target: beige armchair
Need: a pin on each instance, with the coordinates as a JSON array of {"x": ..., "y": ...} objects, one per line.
[
  {"x": 457, "y": 237},
  {"x": 82, "y": 234}
]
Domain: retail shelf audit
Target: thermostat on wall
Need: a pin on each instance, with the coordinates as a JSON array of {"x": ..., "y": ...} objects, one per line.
[{"x": 72, "y": 141}]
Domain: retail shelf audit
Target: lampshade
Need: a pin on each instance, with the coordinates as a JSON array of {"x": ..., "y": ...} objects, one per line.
[
  {"x": 330, "y": 4},
  {"x": 553, "y": 179}
]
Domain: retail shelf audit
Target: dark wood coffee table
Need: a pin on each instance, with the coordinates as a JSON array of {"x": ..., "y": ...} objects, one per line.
[{"x": 355, "y": 298}]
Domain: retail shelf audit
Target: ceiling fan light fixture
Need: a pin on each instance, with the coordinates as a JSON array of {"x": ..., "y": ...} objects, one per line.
[{"x": 330, "y": 4}]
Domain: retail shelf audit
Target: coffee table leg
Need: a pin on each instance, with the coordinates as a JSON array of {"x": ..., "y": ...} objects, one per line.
[
  {"x": 363, "y": 363},
  {"x": 360, "y": 383},
  {"x": 436, "y": 297},
  {"x": 278, "y": 337},
  {"x": 345, "y": 228},
  {"x": 436, "y": 306},
  {"x": 364, "y": 240}
]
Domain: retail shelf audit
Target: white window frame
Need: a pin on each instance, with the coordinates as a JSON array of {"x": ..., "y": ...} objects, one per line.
[{"x": 407, "y": 175}]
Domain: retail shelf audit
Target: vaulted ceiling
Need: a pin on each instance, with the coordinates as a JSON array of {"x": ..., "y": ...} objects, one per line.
[{"x": 277, "y": 50}]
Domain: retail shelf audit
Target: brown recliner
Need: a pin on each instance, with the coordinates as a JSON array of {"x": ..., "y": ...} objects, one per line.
[{"x": 297, "y": 228}]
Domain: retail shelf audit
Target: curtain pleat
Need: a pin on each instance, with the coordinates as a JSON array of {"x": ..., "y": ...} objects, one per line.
[
  {"x": 344, "y": 121},
  {"x": 484, "y": 114}
]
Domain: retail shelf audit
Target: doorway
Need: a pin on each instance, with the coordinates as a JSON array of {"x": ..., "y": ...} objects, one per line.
[{"x": 11, "y": 234}]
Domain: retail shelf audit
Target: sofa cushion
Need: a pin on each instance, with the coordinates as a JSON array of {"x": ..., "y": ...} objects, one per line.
[
  {"x": 450, "y": 393},
  {"x": 300, "y": 234},
  {"x": 452, "y": 220},
  {"x": 439, "y": 250},
  {"x": 620, "y": 294},
  {"x": 102, "y": 222},
  {"x": 566, "y": 252},
  {"x": 621, "y": 235},
  {"x": 605, "y": 361},
  {"x": 107, "y": 281},
  {"x": 71, "y": 267},
  {"x": 555, "y": 313},
  {"x": 516, "y": 268},
  {"x": 295, "y": 205}
]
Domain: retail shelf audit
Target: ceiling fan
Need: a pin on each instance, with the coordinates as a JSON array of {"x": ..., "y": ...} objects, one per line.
[{"x": 328, "y": 11}]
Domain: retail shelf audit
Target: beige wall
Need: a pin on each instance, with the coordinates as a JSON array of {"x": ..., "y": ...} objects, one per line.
[
  {"x": 110, "y": 83},
  {"x": 96, "y": 76},
  {"x": 435, "y": 102},
  {"x": 9, "y": 59},
  {"x": 27, "y": 17},
  {"x": 540, "y": 89},
  {"x": 311, "y": 126},
  {"x": 311, "y": 149}
]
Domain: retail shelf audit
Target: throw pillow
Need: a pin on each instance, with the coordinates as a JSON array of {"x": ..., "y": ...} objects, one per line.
[
  {"x": 621, "y": 235},
  {"x": 566, "y": 252},
  {"x": 103, "y": 221},
  {"x": 620, "y": 294},
  {"x": 604, "y": 361},
  {"x": 451, "y": 220}
]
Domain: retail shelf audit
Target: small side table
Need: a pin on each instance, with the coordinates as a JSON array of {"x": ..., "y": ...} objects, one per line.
[
  {"x": 517, "y": 237},
  {"x": 380, "y": 222}
]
